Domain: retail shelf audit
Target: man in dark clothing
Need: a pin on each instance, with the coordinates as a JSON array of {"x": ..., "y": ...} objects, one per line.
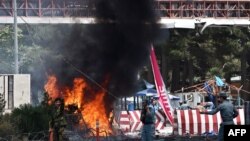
[
  {"x": 227, "y": 111},
  {"x": 148, "y": 119},
  {"x": 58, "y": 122}
]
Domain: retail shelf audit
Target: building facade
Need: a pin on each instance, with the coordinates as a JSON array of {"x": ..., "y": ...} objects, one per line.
[{"x": 16, "y": 89}]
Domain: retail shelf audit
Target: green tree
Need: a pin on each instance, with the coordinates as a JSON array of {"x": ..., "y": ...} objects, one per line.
[
  {"x": 6, "y": 127},
  {"x": 28, "y": 118},
  {"x": 180, "y": 58},
  {"x": 6, "y": 50},
  {"x": 217, "y": 51}
]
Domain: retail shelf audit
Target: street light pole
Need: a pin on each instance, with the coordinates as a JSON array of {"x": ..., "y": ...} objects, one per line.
[{"x": 15, "y": 38}]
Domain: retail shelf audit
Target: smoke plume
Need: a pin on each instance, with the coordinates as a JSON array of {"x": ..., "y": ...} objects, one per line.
[{"x": 115, "y": 48}]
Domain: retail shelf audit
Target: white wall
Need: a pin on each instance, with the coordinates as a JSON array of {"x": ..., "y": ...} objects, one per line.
[{"x": 21, "y": 90}]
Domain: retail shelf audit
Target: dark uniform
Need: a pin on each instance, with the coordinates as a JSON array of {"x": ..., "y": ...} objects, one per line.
[
  {"x": 58, "y": 122},
  {"x": 148, "y": 120},
  {"x": 227, "y": 111}
]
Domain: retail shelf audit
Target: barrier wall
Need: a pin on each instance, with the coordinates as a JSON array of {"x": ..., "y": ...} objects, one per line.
[
  {"x": 186, "y": 121},
  {"x": 192, "y": 122},
  {"x": 129, "y": 121},
  {"x": 124, "y": 121}
]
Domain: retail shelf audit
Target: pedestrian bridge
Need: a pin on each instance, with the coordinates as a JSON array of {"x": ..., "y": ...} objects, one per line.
[{"x": 173, "y": 13}]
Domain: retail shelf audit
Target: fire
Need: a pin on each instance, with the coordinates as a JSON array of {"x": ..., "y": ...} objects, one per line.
[
  {"x": 76, "y": 95},
  {"x": 95, "y": 111},
  {"x": 91, "y": 110},
  {"x": 51, "y": 87}
]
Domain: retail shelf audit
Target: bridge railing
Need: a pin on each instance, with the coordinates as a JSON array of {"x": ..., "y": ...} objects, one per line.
[
  {"x": 165, "y": 8},
  {"x": 48, "y": 8},
  {"x": 203, "y": 8}
]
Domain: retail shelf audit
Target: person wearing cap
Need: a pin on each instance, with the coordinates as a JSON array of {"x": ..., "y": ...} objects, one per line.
[
  {"x": 147, "y": 118},
  {"x": 227, "y": 111}
]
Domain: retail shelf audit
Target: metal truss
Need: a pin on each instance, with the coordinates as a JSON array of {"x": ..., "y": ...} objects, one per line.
[
  {"x": 165, "y": 8},
  {"x": 47, "y": 8},
  {"x": 203, "y": 8}
]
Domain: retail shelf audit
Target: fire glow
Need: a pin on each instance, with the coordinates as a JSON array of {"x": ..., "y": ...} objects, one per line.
[{"x": 91, "y": 109}]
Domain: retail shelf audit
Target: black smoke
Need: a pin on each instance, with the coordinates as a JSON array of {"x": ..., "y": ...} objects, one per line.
[{"x": 114, "y": 49}]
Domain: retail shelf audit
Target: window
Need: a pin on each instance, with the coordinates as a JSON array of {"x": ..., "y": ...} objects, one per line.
[{"x": 10, "y": 92}]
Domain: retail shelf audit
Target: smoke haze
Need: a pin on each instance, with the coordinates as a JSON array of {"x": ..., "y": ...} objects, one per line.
[{"x": 115, "y": 48}]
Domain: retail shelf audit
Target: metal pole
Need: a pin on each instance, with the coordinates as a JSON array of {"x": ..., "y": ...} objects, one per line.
[
  {"x": 15, "y": 38},
  {"x": 97, "y": 130},
  {"x": 239, "y": 95}
]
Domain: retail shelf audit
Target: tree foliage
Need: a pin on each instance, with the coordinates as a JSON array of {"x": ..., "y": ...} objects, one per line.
[
  {"x": 217, "y": 51},
  {"x": 28, "y": 118},
  {"x": 6, "y": 127},
  {"x": 6, "y": 49}
]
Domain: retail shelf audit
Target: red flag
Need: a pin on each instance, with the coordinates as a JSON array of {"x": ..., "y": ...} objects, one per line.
[{"x": 164, "y": 99}]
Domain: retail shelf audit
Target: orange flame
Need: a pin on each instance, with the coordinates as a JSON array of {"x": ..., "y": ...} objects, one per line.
[
  {"x": 76, "y": 95},
  {"x": 95, "y": 110},
  {"x": 51, "y": 87},
  {"x": 91, "y": 111}
]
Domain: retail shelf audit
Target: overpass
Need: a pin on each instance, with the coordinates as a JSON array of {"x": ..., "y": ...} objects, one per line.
[{"x": 173, "y": 13}]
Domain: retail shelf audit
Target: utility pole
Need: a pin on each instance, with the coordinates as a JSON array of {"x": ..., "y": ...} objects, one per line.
[{"x": 15, "y": 38}]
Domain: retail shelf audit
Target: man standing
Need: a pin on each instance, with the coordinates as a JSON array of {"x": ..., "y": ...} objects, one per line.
[
  {"x": 155, "y": 104},
  {"x": 227, "y": 111},
  {"x": 58, "y": 122},
  {"x": 147, "y": 118}
]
